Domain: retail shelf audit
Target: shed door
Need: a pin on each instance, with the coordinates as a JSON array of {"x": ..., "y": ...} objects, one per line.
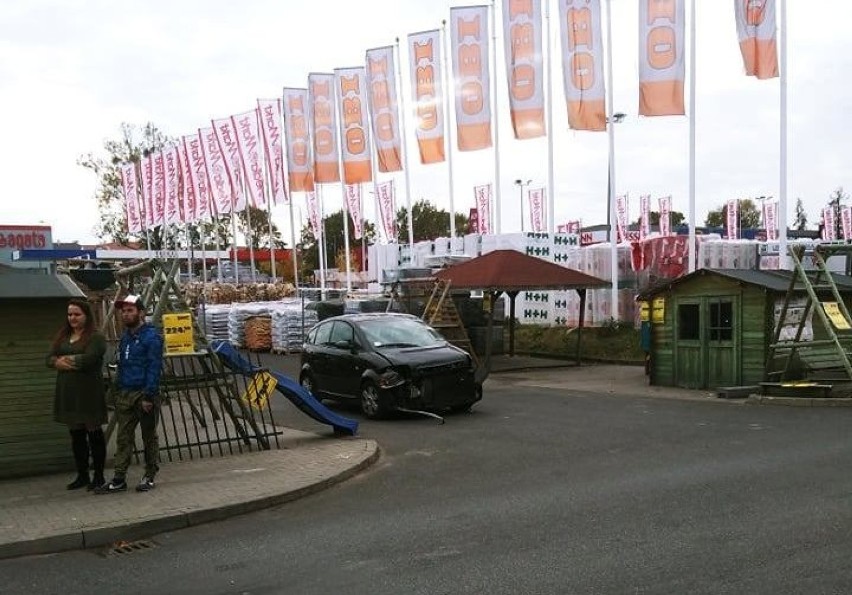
[{"x": 706, "y": 354}]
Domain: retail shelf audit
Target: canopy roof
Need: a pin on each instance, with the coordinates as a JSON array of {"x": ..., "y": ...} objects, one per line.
[{"x": 510, "y": 270}]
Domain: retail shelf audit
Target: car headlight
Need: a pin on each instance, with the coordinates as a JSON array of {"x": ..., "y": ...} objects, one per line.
[{"x": 390, "y": 379}]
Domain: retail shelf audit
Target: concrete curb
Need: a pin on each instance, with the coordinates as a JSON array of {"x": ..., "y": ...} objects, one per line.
[
  {"x": 799, "y": 401},
  {"x": 106, "y": 535}
]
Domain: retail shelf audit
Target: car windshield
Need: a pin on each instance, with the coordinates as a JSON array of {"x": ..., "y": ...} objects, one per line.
[{"x": 399, "y": 332}]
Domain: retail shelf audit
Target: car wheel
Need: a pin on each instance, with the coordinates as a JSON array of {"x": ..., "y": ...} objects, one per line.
[
  {"x": 372, "y": 404},
  {"x": 307, "y": 382}
]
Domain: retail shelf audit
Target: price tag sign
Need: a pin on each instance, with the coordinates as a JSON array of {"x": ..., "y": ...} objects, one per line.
[
  {"x": 832, "y": 310},
  {"x": 177, "y": 333}
]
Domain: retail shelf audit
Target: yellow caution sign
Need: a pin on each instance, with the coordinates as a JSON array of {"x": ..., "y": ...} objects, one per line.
[
  {"x": 832, "y": 310},
  {"x": 177, "y": 333},
  {"x": 259, "y": 388}
]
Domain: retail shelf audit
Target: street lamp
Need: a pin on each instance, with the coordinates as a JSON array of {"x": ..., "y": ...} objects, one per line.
[{"x": 520, "y": 184}]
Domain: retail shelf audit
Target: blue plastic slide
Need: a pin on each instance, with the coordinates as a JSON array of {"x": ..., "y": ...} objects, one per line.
[{"x": 288, "y": 387}]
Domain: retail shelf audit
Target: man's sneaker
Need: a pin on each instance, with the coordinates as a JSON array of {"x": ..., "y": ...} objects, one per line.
[
  {"x": 146, "y": 484},
  {"x": 118, "y": 484}
]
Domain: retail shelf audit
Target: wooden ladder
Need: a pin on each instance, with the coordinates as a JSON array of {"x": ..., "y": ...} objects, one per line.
[{"x": 442, "y": 315}]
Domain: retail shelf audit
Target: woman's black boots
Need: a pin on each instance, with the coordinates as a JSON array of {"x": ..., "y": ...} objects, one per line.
[
  {"x": 97, "y": 444},
  {"x": 80, "y": 449}
]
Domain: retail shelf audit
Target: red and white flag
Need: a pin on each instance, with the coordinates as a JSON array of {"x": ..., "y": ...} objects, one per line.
[
  {"x": 582, "y": 63},
  {"x": 147, "y": 167},
  {"x": 482, "y": 197},
  {"x": 387, "y": 209},
  {"x": 665, "y": 216},
  {"x": 384, "y": 110},
  {"x": 770, "y": 219},
  {"x": 353, "y": 207},
  {"x": 622, "y": 210},
  {"x": 299, "y": 162},
  {"x": 351, "y": 88},
  {"x": 573, "y": 226},
  {"x": 470, "y": 43},
  {"x": 538, "y": 210},
  {"x": 172, "y": 181},
  {"x": 269, "y": 112},
  {"x": 131, "y": 197},
  {"x": 846, "y": 222},
  {"x": 187, "y": 190},
  {"x": 662, "y": 67},
  {"x": 644, "y": 216},
  {"x": 829, "y": 224},
  {"x": 324, "y": 132},
  {"x": 732, "y": 219},
  {"x": 226, "y": 136},
  {"x": 220, "y": 185},
  {"x": 248, "y": 142},
  {"x": 756, "y": 32},
  {"x": 424, "y": 50},
  {"x": 196, "y": 185},
  {"x": 522, "y": 32},
  {"x": 314, "y": 217},
  {"x": 159, "y": 189}
]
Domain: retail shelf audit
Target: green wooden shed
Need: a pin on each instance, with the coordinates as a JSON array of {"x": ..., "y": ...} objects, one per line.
[
  {"x": 713, "y": 327},
  {"x": 32, "y": 308}
]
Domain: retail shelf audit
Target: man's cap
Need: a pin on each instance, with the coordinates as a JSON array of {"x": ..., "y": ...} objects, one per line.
[{"x": 134, "y": 300}]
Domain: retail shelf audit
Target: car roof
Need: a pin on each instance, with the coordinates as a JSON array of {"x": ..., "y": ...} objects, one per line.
[{"x": 364, "y": 316}]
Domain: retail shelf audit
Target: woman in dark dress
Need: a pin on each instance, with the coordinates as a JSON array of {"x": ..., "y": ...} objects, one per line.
[{"x": 77, "y": 354}]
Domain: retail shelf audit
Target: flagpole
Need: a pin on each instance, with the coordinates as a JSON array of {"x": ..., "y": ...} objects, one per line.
[
  {"x": 249, "y": 235},
  {"x": 322, "y": 247},
  {"x": 346, "y": 259},
  {"x": 692, "y": 102},
  {"x": 496, "y": 117},
  {"x": 782, "y": 195},
  {"x": 448, "y": 140},
  {"x": 403, "y": 141},
  {"x": 548, "y": 108},
  {"x": 234, "y": 233},
  {"x": 293, "y": 252},
  {"x": 611, "y": 198}
]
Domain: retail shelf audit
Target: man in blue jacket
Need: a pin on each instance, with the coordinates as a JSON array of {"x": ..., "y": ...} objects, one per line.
[{"x": 137, "y": 395}]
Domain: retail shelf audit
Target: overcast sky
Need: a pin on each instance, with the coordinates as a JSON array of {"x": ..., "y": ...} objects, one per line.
[{"x": 73, "y": 70}]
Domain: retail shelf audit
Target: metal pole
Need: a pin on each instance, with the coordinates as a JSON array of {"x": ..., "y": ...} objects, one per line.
[
  {"x": 404, "y": 148},
  {"x": 447, "y": 127},
  {"x": 548, "y": 108},
  {"x": 497, "y": 203},
  {"x": 782, "y": 194},
  {"x": 692, "y": 78},
  {"x": 612, "y": 184}
]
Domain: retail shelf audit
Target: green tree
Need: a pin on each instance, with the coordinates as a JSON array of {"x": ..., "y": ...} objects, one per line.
[
  {"x": 334, "y": 243},
  {"x": 677, "y": 218},
  {"x": 131, "y": 145},
  {"x": 800, "y": 222},
  {"x": 749, "y": 215},
  {"x": 428, "y": 222}
]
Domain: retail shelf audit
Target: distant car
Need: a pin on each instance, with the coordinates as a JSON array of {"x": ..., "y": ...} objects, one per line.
[{"x": 387, "y": 361}]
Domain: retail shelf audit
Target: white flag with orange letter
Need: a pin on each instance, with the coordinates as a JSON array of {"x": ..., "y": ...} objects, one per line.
[
  {"x": 324, "y": 128},
  {"x": 427, "y": 89},
  {"x": 469, "y": 34},
  {"x": 756, "y": 32},
  {"x": 661, "y": 62},
  {"x": 524, "y": 66},
  {"x": 582, "y": 63},
  {"x": 353, "y": 207},
  {"x": 482, "y": 197},
  {"x": 384, "y": 110},
  {"x": 299, "y": 162},
  {"x": 226, "y": 136},
  {"x": 351, "y": 90},
  {"x": 269, "y": 112},
  {"x": 131, "y": 197},
  {"x": 248, "y": 142},
  {"x": 214, "y": 162}
]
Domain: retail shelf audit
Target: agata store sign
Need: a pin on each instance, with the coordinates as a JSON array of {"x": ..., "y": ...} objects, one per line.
[{"x": 25, "y": 237}]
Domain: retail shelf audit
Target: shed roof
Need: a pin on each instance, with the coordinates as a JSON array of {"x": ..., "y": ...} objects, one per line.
[
  {"x": 510, "y": 270},
  {"x": 14, "y": 285},
  {"x": 777, "y": 281}
]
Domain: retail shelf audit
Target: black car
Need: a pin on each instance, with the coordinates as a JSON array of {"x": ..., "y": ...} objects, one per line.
[{"x": 387, "y": 361}]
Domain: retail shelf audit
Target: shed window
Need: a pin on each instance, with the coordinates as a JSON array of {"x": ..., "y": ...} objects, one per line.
[
  {"x": 721, "y": 321},
  {"x": 687, "y": 322}
]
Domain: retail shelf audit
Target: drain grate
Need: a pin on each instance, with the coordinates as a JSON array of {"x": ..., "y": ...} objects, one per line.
[{"x": 121, "y": 548}]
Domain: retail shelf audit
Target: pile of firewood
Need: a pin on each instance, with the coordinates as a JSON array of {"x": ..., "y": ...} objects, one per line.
[
  {"x": 229, "y": 293},
  {"x": 258, "y": 333}
]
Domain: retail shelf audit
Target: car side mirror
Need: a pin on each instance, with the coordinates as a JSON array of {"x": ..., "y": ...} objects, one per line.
[{"x": 345, "y": 344}]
